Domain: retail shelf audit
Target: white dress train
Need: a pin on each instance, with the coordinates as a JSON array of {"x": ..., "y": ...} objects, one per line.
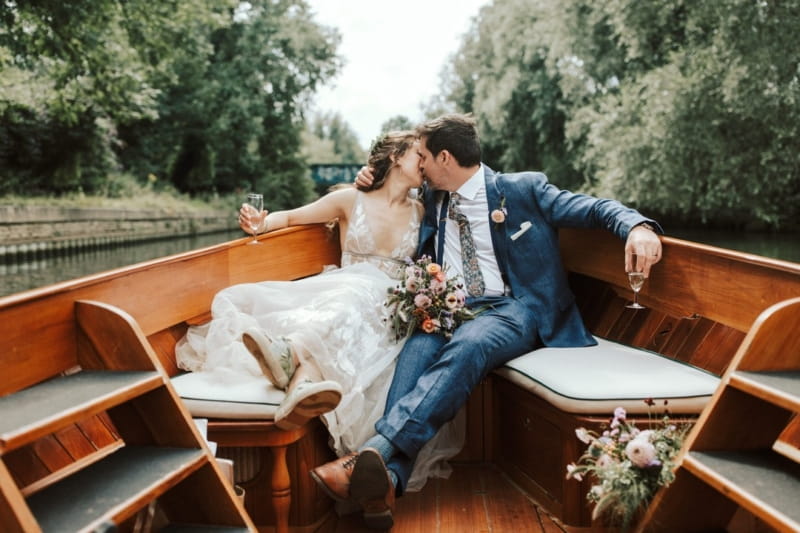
[{"x": 338, "y": 317}]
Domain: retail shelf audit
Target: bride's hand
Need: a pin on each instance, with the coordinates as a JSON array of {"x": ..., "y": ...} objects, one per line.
[
  {"x": 248, "y": 213},
  {"x": 364, "y": 178}
]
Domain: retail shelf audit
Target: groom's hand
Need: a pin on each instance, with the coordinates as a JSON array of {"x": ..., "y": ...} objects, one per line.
[
  {"x": 364, "y": 178},
  {"x": 642, "y": 250}
]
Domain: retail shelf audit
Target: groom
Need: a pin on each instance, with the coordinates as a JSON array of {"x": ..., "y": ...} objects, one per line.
[{"x": 499, "y": 233}]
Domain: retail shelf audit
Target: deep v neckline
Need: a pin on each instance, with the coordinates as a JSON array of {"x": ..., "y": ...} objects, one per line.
[{"x": 369, "y": 235}]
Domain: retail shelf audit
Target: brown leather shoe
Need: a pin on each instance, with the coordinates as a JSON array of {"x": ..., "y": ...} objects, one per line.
[
  {"x": 371, "y": 486},
  {"x": 334, "y": 477}
]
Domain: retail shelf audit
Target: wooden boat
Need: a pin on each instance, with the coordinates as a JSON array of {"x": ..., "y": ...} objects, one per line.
[{"x": 732, "y": 314}]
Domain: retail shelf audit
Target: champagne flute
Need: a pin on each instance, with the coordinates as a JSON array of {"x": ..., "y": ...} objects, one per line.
[
  {"x": 636, "y": 280},
  {"x": 256, "y": 203}
]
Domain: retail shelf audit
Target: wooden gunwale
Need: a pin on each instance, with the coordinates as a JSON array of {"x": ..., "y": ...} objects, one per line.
[{"x": 701, "y": 301}]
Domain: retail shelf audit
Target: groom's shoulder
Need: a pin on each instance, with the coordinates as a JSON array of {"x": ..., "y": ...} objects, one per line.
[{"x": 522, "y": 179}]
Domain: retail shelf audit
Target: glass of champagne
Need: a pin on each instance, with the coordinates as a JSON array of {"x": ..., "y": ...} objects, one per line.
[
  {"x": 256, "y": 203},
  {"x": 636, "y": 280}
]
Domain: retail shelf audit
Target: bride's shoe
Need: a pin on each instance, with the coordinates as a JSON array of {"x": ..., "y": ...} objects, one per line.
[
  {"x": 274, "y": 356},
  {"x": 306, "y": 400}
]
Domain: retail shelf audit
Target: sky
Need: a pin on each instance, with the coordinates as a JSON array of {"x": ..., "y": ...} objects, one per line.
[{"x": 393, "y": 54}]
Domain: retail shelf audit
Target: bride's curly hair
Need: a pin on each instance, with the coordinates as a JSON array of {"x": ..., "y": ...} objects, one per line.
[{"x": 384, "y": 153}]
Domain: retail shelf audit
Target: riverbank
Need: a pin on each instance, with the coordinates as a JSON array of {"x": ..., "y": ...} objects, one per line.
[{"x": 27, "y": 230}]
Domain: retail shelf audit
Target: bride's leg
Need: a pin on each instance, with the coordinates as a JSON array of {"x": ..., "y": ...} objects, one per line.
[
  {"x": 276, "y": 357},
  {"x": 308, "y": 395}
]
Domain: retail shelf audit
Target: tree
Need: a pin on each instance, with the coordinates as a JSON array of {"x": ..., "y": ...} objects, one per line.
[
  {"x": 706, "y": 109},
  {"x": 397, "y": 123},
  {"x": 687, "y": 110},
  {"x": 333, "y": 128},
  {"x": 210, "y": 94},
  {"x": 100, "y": 64},
  {"x": 501, "y": 75}
]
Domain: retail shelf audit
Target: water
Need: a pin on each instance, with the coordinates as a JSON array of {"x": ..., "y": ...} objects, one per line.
[
  {"x": 785, "y": 246},
  {"x": 39, "y": 272}
]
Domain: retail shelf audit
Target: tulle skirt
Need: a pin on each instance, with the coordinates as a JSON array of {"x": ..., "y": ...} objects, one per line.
[{"x": 340, "y": 320}]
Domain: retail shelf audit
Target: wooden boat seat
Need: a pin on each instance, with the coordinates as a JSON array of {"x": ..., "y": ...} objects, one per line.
[
  {"x": 700, "y": 303},
  {"x": 596, "y": 379}
]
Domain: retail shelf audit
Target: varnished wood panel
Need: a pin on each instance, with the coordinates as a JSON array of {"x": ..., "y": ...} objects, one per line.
[
  {"x": 157, "y": 294},
  {"x": 461, "y": 502},
  {"x": 25, "y": 466},
  {"x": 163, "y": 344},
  {"x": 74, "y": 441},
  {"x": 52, "y": 453},
  {"x": 305, "y": 253},
  {"x": 692, "y": 339},
  {"x": 476, "y": 498},
  {"x": 98, "y": 431},
  {"x": 728, "y": 287}
]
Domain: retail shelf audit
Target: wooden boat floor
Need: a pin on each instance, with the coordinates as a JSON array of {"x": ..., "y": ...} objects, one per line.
[{"x": 477, "y": 498}]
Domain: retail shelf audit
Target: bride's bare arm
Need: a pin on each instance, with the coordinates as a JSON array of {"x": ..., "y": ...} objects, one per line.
[{"x": 331, "y": 206}]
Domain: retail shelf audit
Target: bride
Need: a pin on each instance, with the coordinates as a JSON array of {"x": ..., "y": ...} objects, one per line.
[{"x": 326, "y": 339}]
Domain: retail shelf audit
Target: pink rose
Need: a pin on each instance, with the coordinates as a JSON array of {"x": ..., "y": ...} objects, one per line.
[
  {"x": 438, "y": 286},
  {"x": 499, "y": 216},
  {"x": 422, "y": 301},
  {"x": 641, "y": 452},
  {"x": 413, "y": 272},
  {"x": 412, "y": 285}
]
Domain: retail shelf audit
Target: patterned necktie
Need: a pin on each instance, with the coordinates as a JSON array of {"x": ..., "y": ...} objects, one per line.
[{"x": 473, "y": 278}]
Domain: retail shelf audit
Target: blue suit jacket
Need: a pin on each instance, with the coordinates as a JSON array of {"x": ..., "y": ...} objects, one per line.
[{"x": 531, "y": 264}]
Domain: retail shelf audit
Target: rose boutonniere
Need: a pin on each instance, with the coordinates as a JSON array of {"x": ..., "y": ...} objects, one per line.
[{"x": 499, "y": 214}]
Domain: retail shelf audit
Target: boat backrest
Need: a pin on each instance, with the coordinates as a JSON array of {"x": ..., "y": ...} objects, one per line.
[
  {"x": 701, "y": 300},
  {"x": 726, "y": 286},
  {"x": 38, "y": 334},
  {"x": 694, "y": 283}
]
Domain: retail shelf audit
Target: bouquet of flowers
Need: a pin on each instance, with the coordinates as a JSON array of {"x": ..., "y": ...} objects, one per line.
[
  {"x": 427, "y": 300},
  {"x": 627, "y": 465}
]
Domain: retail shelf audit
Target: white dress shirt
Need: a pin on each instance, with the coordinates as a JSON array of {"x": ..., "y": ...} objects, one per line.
[{"x": 476, "y": 208}]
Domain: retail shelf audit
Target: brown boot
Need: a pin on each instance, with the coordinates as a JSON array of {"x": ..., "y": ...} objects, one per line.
[
  {"x": 371, "y": 486},
  {"x": 334, "y": 477}
]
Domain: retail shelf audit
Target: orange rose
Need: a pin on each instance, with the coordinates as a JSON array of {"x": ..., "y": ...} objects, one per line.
[
  {"x": 428, "y": 326},
  {"x": 433, "y": 269}
]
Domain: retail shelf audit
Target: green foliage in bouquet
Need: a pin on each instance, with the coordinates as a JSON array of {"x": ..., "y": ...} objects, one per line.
[{"x": 627, "y": 465}]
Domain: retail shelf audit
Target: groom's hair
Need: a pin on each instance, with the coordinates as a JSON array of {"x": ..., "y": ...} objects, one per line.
[{"x": 455, "y": 133}]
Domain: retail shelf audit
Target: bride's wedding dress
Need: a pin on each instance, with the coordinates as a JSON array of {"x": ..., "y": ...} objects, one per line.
[{"x": 338, "y": 317}]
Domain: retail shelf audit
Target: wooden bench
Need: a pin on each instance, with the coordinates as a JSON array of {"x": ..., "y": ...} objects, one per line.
[{"x": 700, "y": 302}]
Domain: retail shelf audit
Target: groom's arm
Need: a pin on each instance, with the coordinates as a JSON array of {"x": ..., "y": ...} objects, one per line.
[{"x": 567, "y": 209}]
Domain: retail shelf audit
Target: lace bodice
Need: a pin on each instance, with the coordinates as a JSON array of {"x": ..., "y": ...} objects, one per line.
[{"x": 359, "y": 243}]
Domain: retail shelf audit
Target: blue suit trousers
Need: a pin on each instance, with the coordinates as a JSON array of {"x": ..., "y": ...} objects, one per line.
[{"x": 434, "y": 376}]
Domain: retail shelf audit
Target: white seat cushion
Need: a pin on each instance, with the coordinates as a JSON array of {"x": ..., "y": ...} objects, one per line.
[
  {"x": 597, "y": 379},
  {"x": 222, "y": 394}
]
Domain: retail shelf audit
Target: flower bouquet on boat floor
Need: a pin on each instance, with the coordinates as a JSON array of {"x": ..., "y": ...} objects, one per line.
[
  {"x": 427, "y": 300},
  {"x": 627, "y": 465}
]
